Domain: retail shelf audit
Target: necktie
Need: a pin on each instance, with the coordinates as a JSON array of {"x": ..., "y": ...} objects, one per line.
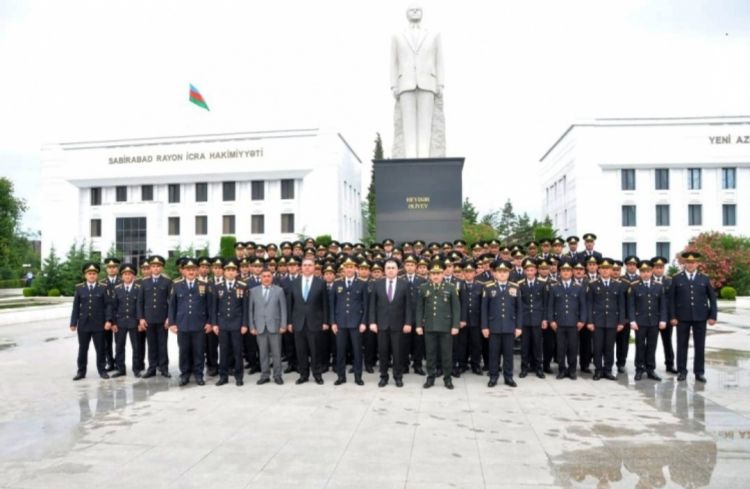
[
  {"x": 567, "y": 285},
  {"x": 265, "y": 294},
  {"x": 606, "y": 283},
  {"x": 348, "y": 283},
  {"x": 502, "y": 289},
  {"x": 306, "y": 289},
  {"x": 155, "y": 280},
  {"x": 190, "y": 286},
  {"x": 390, "y": 291},
  {"x": 91, "y": 288},
  {"x": 648, "y": 285}
]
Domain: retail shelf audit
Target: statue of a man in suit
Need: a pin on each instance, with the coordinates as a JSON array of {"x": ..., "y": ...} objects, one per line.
[{"x": 417, "y": 85}]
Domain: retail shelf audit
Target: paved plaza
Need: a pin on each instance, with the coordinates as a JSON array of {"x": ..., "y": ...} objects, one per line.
[{"x": 129, "y": 432}]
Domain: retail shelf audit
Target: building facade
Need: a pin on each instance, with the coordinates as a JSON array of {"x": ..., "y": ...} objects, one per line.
[
  {"x": 647, "y": 186},
  {"x": 156, "y": 195}
]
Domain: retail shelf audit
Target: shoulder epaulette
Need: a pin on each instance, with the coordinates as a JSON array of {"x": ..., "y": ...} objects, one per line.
[
  {"x": 242, "y": 283},
  {"x": 542, "y": 280},
  {"x": 178, "y": 280},
  {"x": 201, "y": 280},
  {"x": 489, "y": 283},
  {"x": 81, "y": 284},
  {"x": 103, "y": 281},
  {"x": 119, "y": 286},
  {"x": 681, "y": 272},
  {"x": 513, "y": 284},
  {"x": 520, "y": 282}
]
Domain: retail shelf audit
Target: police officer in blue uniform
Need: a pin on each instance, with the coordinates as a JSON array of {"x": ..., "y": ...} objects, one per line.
[
  {"x": 154, "y": 309},
  {"x": 413, "y": 343},
  {"x": 111, "y": 265},
  {"x": 470, "y": 295},
  {"x": 502, "y": 314},
  {"x": 229, "y": 321},
  {"x": 566, "y": 313},
  {"x": 647, "y": 308},
  {"x": 693, "y": 304},
  {"x": 349, "y": 302},
  {"x": 124, "y": 319},
  {"x": 534, "y": 297},
  {"x": 660, "y": 277},
  {"x": 189, "y": 306},
  {"x": 605, "y": 299},
  {"x": 88, "y": 319}
]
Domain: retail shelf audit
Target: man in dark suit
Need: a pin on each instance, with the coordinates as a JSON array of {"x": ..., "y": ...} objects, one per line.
[
  {"x": 693, "y": 303},
  {"x": 349, "y": 320},
  {"x": 229, "y": 321},
  {"x": 566, "y": 313},
  {"x": 413, "y": 343},
  {"x": 154, "y": 307},
  {"x": 647, "y": 308},
  {"x": 589, "y": 241},
  {"x": 308, "y": 315},
  {"x": 390, "y": 317},
  {"x": 124, "y": 319},
  {"x": 88, "y": 319},
  {"x": 534, "y": 298},
  {"x": 470, "y": 297},
  {"x": 287, "y": 340},
  {"x": 660, "y": 277},
  {"x": 189, "y": 307},
  {"x": 605, "y": 300},
  {"x": 111, "y": 265}
]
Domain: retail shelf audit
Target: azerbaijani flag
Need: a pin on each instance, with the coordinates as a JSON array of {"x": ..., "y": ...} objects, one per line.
[{"x": 197, "y": 98}]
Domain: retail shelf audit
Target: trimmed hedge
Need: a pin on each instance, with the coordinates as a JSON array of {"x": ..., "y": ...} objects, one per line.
[
  {"x": 13, "y": 283},
  {"x": 728, "y": 293}
]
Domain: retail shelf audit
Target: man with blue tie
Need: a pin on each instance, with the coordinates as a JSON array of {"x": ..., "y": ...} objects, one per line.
[
  {"x": 124, "y": 319},
  {"x": 605, "y": 299},
  {"x": 534, "y": 297},
  {"x": 693, "y": 303},
  {"x": 647, "y": 308},
  {"x": 229, "y": 321},
  {"x": 566, "y": 313},
  {"x": 189, "y": 319},
  {"x": 348, "y": 320},
  {"x": 154, "y": 309},
  {"x": 88, "y": 319}
]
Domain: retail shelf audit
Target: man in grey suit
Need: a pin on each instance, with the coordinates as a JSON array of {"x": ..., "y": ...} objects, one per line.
[{"x": 266, "y": 312}]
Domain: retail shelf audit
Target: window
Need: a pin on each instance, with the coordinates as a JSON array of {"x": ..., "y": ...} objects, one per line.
[
  {"x": 728, "y": 178},
  {"x": 130, "y": 238},
  {"x": 661, "y": 181},
  {"x": 287, "y": 223},
  {"x": 174, "y": 193},
  {"x": 628, "y": 179},
  {"x": 662, "y": 249},
  {"x": 257, "y": 190},
  {"x": 628, "y": 215},
  {"x": 201, "y": 225},
  {"x": 629, "y": 248},
  {"x": 227, "y": 191},
  {"x": 174, "y": 226},
  {"x": 147, "y": 193},
  {"x": 729, "y": 214},
  {"x": 227, "y": 225},
  {"x": 257, "y": 224},
  {"x": 287, "y": 189},
  {"x": 662, "y": 215},
  {"x": 695, "y": 215},
  {"x": 96, "y": 196},
  {"x": 96, "y": 228},
  {"x": 694, "y": 178},
  {"x": 201, "y": 192},
  {"x": 121, "y": 193}
]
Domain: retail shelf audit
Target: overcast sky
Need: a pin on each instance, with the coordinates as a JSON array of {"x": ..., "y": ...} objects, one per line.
[{"x": 517, "y": 74}]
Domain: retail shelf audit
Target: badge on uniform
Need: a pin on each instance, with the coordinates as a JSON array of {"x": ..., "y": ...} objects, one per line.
[
  {"x": 427, "y": 293},
  {"x": 339, "y": 290},
  {"x": 201, "y": 289},
  {"x": 221, "y": 293},
  {"x": 493, "y": 293},
  {"x": 512, "y": 292},
  {"x": 240, "y": 292}
]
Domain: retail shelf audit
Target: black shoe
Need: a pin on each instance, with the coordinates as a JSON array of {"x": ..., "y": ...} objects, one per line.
[
  {"x": 620, "y": 370},
  {"x": 586, "y": 370},
  {"x": 149, "y": 374},
  {"x": 263, "y": 381},
  {"x": 572, "y": 376},
  {"x": 638, "y": 376},
  {"x": 597, "y": 375},
  {"x": 383, "y": 382},
  {"x": 560, "y": 374},
  {"x": 279, "y": 381},
  {"x": 302, "y": 380},
  {"x": 369, "y": 369},
  {"x": 540, "y": 374},
  {"x": 359, "y": 381},
  {"x": 456, "y": 373},
  {"x": 340, "y": 380},
  {"x": 222, "y": 380},
  {"x": 523, "y": 373},
  {"x": 510, "y": 382},
  {"x": 79, "y": 376},
  {"x": 166, "y": 374},
  {"x": 119, "y": 373},
  {"x": 318, "y": 379},
  {"x": 200, "y": 381},
  {"x": 700, "y": 378},
  {"x": 652, "y": 375},
  {"x": 104, "y": 375},
  {"x": 289, "y": 369},
  {"x": 184, "y": 381},
  {"x": 547, "y": 370},
  {"x": 681, "y": 377},
  {"x": 239, "y": 382},
  {"x": 448, "y": 383},
  {"x": 399, "y": 383},
  {"x": 492, "y": 382},
  {"x": 419, "y": 371},
  {"x": 609, "y": 376},
  {"x": 429, "y": 382},
  {"x": 672, "y": 370}
]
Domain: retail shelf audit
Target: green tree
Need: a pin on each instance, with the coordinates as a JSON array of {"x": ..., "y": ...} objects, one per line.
[
  {"x": 470, "y": 213},
  {"x": 52, "y": 274},
  {"x": 323, "y": 239},
  {"x": 11, "y": 210},
  {"x": 506, "y": 225},
  {"x": 70, "y": 271},
  {"x": 226, "y": 246},
  {"x": 477, "y": 232},
  {"x": 369, "y": 210}
]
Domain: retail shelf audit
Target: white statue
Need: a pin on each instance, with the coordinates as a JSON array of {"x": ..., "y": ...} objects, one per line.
[{"x": 417, "y": 85}]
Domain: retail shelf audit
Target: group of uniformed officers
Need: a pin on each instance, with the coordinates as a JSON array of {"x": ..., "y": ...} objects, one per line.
[{"x": 318, "y": 307}]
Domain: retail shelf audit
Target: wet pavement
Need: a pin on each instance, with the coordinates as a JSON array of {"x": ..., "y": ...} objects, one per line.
[{"x": 131, "y": 432}]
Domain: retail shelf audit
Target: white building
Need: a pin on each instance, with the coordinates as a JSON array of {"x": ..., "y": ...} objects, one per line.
[
  {"x": 157, "y": 194},
  {"x": 646, "y": 186}
]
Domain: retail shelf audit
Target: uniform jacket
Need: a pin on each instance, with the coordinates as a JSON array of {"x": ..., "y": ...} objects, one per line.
[
  {"x": 438, "y": 308},
  {"x": 471, "y": 303},
  {"x": 190, "y": 310},
  {"x": 228, "y": 308},
  {"x": 154, "y": 299},
  {"x": 90, "y": 308},
  {"x": 125, "y": 306},
  {"x": 349, "y": 304},
  {"x": 566, "y": 307},
  {"x": 606, "y": 305},
  {"x": 692, "y": 300},
  {"x": 502, "y": 309},
  {"x": 647, "y": 306},
  {"x": 534, "y": 301}
]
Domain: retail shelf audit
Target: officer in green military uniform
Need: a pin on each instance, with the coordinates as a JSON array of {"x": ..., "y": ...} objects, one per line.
[{"x": 438, "y": 317}]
